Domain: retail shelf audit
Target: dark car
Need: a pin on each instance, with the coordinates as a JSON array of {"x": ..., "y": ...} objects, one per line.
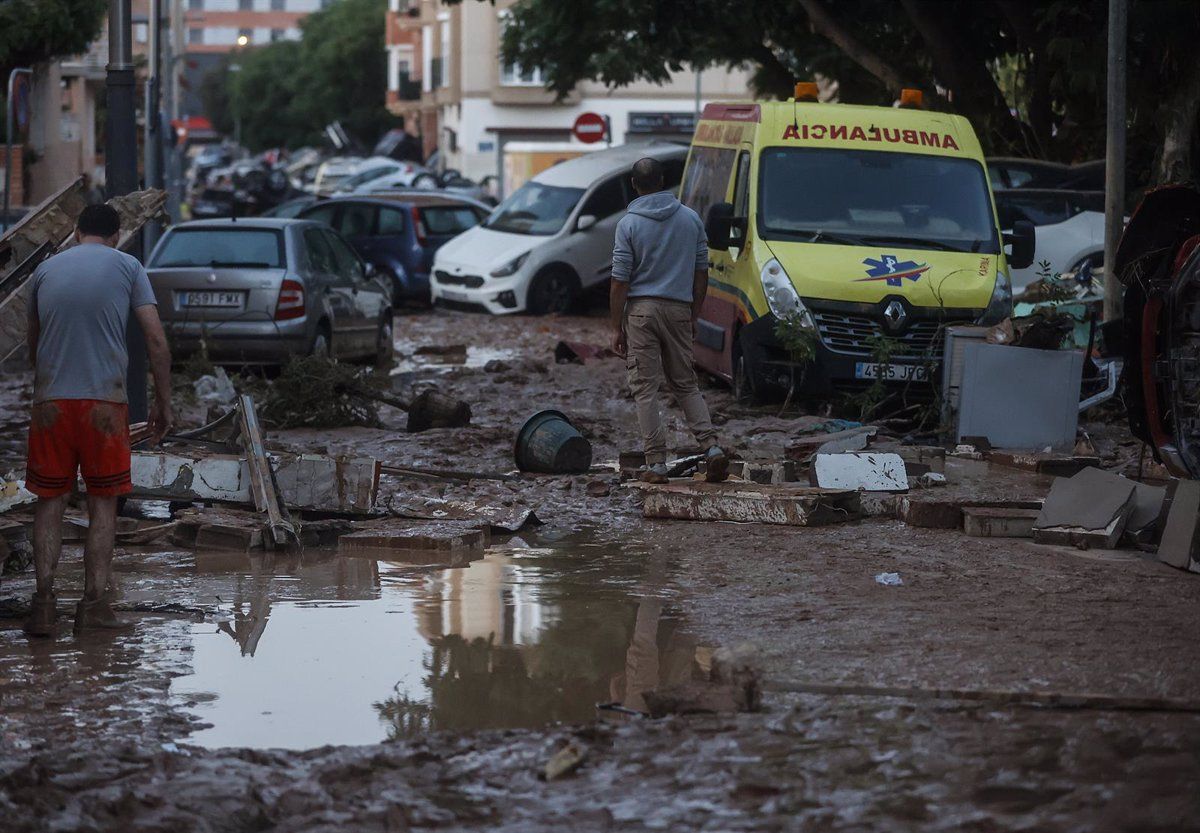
[{"x": 399, "y": 235}]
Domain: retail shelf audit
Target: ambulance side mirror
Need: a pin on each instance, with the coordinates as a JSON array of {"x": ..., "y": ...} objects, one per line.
[
  {"x": 718, "y": 226},
  {"x": 1024, "y": 241}
]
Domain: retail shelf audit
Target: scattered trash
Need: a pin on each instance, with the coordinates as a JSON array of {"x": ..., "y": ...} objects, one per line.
[
  {"x": 928, "y": 480},
  {"x": 889, "y": 579},
  {"x": 565, "y": 761},
  {"x": 856, "y": 437},
  {"x": 860, "y": 471},
  {"x": 215, "y": 388},
  {"x": 549, "y": 443}
]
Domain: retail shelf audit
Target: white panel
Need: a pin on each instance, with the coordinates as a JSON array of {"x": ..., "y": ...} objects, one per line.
[
  {"x": 220, "y": 5},
  {"x": 220, "y": 35}
]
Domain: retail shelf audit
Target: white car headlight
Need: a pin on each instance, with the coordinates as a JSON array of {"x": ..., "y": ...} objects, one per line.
[
  {"x": 782, "y": 297},
  {"x": 511, "y": 267},
  {"x": 1000, "y": 306}
]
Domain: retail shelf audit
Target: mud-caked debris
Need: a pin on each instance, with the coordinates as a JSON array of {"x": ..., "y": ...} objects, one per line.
[{"x": 565, "y": 761}]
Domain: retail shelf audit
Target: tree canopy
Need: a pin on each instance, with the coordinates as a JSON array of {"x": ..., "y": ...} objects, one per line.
[
  {"x": 1029, "y": 74},
  {"x": 285, "y": 93},
  {"x": 35, "y": 31}
]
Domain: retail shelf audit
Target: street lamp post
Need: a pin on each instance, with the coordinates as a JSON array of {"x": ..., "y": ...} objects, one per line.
[{"x": 120, "y": 173}]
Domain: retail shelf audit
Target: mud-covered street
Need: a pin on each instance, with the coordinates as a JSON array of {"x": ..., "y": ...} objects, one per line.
[{"x": 330, "y": 692}]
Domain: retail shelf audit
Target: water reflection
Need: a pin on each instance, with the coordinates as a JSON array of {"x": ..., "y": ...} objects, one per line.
[{"x": 353, "y": 650}]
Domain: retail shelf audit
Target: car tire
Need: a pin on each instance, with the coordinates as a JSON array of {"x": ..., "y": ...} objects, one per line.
[
  {"x": 384, "y": 346},
  {"x": 322, "y": 343},
  {"x": 552, "y": 291},
  {"x": 747, "y": 383}
]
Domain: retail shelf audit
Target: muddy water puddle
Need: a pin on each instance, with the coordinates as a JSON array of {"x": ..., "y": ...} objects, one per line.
[{"x": 350, "y": 650}]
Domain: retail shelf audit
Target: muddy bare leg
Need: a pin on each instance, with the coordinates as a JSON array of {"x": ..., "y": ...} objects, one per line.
[
  {"x": 98, "y": 550},
  {"x": 47, "y": 540}
]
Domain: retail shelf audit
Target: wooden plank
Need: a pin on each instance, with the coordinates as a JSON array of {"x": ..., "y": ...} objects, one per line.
[{"x": 280, "y": 530}]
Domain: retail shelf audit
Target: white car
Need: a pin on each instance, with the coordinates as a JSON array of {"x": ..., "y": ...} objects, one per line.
[
  {"x": 1069, "y": 226},
  {"x": 380, "y": 172},
  {"x": 551, "y": 239},
  {"x": 332, "y": 171}
]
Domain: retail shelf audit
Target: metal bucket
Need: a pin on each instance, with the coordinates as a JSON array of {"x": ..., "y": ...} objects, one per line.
[{"x": 548, "y": 442}]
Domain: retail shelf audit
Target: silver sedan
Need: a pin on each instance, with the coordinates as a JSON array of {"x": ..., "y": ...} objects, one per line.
[{"x": 257, "y": 291}]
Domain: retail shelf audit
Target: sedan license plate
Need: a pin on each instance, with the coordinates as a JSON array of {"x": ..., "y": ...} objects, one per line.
[
  {"x": 210, "y": 298},
  {"x": 451, "y": 295},
  {"x": 891, "y": 372}
]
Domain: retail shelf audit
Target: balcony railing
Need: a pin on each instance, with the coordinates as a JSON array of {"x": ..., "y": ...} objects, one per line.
[{"x": 409, "y": 89}]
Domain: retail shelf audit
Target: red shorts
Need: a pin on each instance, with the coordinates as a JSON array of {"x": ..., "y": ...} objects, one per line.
[{"x": 88, "y": 435}]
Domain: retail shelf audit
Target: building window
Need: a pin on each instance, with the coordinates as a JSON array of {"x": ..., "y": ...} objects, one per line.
[
  {"x": 196, "y": 5},
  {"x": 141, "y": 32},
  {"x": 515, "y": 75},
  {"x": 195, "y": 35},
  {"x": 276, "y": 34},
  {"x": 277, "y": 5},
  {"x": 245, "y": 5},
  {"x": 248, "y": 34}
]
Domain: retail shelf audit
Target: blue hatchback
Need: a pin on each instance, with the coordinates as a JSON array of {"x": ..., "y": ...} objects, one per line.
[{"x": 399, "y": 234}]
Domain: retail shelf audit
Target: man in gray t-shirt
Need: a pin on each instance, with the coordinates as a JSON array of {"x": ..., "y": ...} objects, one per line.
[{"x": 80, "y": 303}]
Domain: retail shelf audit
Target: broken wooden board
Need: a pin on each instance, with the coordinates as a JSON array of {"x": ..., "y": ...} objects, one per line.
[
  {"x": 280, "y": 531},
  {"x": 306, "y": 481},
  {"x": 996, "y": 522},
  {"x": 749, "y": 503},
  {"x": 47, "y": 230}
]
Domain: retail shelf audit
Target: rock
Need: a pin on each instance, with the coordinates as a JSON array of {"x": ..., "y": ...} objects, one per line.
[
  {"x": 692, "y": 698},
  {"x": 598, "y": 488},
  {"x": 496, "y": 366}
]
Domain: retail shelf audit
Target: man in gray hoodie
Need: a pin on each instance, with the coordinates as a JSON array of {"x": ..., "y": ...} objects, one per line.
[{"x": 659, "y": 280}]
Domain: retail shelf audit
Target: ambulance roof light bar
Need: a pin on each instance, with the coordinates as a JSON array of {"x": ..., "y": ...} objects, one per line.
[
  {"x": 912, "y": 99},
  {"x": 806, "y": 91}
]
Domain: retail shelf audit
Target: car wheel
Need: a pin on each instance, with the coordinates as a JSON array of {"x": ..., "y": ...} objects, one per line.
[
  {"x": 384, "y": 345},
  {"x": 322, "y": 345},
  {"x": 552, "y": 291},
  {"x": 747, "y": 386}
]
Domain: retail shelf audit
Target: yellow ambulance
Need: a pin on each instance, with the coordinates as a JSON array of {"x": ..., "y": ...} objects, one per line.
[{"x": 866, "y": 230}]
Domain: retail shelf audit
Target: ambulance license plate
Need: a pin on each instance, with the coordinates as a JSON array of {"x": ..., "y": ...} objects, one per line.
[{"x": 891, "y": 372}]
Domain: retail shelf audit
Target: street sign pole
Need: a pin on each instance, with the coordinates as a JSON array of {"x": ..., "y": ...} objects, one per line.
[
  {"x": 120, "y": 173},
  {"x": 9, "y": 128},
  {"x": 1114, "y": 157}
]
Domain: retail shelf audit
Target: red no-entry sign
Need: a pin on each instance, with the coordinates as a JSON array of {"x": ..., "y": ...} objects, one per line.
[{"x": 589, "y": 127}]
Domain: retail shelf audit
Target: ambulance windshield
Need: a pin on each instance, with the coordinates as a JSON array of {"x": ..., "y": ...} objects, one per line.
[{"x": 866, "y": 197}]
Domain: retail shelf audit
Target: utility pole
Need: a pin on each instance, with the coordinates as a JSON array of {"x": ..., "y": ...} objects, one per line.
[
  {"x": 120, "y": 173},
  {"x": 153, "y": 143},
  {"x": 1114, "y": 157}
]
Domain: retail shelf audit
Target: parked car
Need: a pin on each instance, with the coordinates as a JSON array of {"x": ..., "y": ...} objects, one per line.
[
  {"x": 1011, "y": 172},
  {"x": 549, "y": 240},
  {"x": 1069, "y": 227},
  {"x": 257, "y": 291},
  {"x": 331, "y": 172},
  {"x": 291, "y": 208},
  {"x": 379, "y": 169},
  {"x": 398, "y": 235}
]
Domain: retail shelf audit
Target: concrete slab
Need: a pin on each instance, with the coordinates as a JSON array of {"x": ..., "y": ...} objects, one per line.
[
  {"x": 989, "y": 522},
  {"x": 1180, "y": 544},
  {"x": 865, "y": 470},
  {"x": 749, "y": 503}
]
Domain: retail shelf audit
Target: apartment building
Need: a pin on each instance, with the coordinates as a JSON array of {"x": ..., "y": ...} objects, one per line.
[
  {"x": 212, "y": 29},
  {"x": 446, "y": 79}
]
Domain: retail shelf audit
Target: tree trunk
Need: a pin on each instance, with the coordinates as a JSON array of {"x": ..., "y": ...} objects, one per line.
[
  {"x": 824, "y": 24},
  {"x": 975, "y": 91},
  {"x": 1181, "y": 130}
]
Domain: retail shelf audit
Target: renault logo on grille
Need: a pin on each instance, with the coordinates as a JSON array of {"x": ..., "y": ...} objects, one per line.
[{"x": 894, "y": 315}]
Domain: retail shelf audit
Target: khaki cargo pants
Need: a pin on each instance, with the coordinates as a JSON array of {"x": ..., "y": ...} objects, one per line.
[{"x": 658, "y": 335}]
